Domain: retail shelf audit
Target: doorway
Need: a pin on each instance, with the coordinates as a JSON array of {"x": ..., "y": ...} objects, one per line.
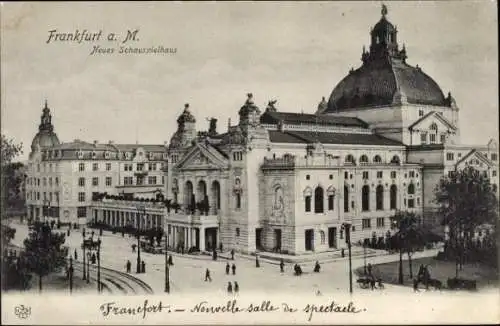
[
  {"x": 277, "y": 240},
  {"x": 258, "y": 238},
  {"x": 332, "y": 237},
  {"x": 309, "y": 239},
  {"x": 210, "y": 238}
]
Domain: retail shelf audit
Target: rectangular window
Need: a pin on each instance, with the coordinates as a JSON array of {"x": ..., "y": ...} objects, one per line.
[
  {"x": 57, "y": 181},
  {"x": 450, "y": 156},
  {"x": 450, "y": 174},
  {"x": 393, "y": 174},
  {"x": 82, "y": 211},
  {"x": 365, "y": 175},
  {"x": 237, "y": 232},
  {"x": 494, "y": 156},
  {"x": 108, "y": 166},
  {"x": 50, "y": 196},
  {"x": 380, "y": 174},
  {"x": 423, "y": 137},
  {"x": 443, "y": 138},
  {"x": 412, "y": 174},
  {"x": 108, "y": 181},
  {"x": 380, "y": 222},
  {"x": 140, "y": 181},
  {"x": 365, "y": 223},
  {"x": 494, "y": 173},
  {"x": 420, "y": 113},
  {"x": 81, "y": 167},
  {"x": 81, "y": 196},
  {"x": 56, "y": 195},
  {"x": 81, "y": 182},
  {"x": 411, "y": 203},
  {"x": 432, "y": 138},
  {"x": 140, "y": 166},
  {"x": 346, "y": 175},
  {"x": 95, "y": 166},
  {"x": 152, "y": 180},
  {"x": 95, "y": 181}
]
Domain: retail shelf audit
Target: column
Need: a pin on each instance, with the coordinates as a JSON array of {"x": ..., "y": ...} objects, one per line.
[{"x": 202, "y": 239}]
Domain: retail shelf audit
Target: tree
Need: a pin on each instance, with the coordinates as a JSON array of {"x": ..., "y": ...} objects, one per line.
[
  {"x": 408, "y": 236},
  {"x": 466, "y": 200},
  {"x": 44, "y": 251},
  {"x": 9, "y": 150},
  {"x": 11, "y": 177}
]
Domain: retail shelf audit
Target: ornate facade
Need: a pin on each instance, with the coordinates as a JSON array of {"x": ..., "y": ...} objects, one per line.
[{"x": 282, "y": 181}]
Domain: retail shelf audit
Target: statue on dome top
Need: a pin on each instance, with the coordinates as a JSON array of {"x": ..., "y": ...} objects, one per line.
[{"x": 384, "y": 10}]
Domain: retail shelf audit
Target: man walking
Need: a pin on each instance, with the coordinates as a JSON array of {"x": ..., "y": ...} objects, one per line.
[
  {"x": 207, "y": 276},
  {"x": 227, "y": 268},
  {"x": 76, "y": 255},
  {"x": 229, "y": 288},
  {"x": 129, "y": 266},
  {"x": 282, "y": 266},
  {"x": 234, "y": 269},
  {"x": 232, "y": 254},
  {"x": 257, "y": 263},
  {"x": 236, "y": 287}
]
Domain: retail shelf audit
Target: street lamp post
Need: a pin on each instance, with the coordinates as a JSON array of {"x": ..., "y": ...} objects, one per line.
[
  {"x": 141, "y": 212},
  {"x": 99, "y": 265},
  {"x": 364, "y": 257},
  {"x": 70, "y": 274},
  {"x": 347, "y": 228},
  {"x": 88, "y": 266},
  {"x": 167, "y": 267},
  {"x": 84, "y": 273}
]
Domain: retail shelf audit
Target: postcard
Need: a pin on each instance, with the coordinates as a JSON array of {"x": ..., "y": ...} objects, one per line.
[{"x": 249, "y": 162}]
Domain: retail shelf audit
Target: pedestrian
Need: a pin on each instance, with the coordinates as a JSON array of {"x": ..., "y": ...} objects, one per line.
[
  {"x": 170, "y": 261},
  {"x": 129, "y": 266},
  {"x": 93, "y": 258},
  {"x": 83, "y": 232},
  {"x": 229, "y": 287},
  {"x": 232, "y": 254},
  {"x": 214, "y": 254},
  {"x": 317, "y": 267},
  {"x": 227, "y": 268},
  {"x": 342, "y": 253},
  {"x": 282, "y": 266},
  {"x": 257, "y": 264},
  {"x": 236, "y": 287},
  {"x": 67, "y": 233},
  {"x": 207, "y": 275},
  {"x": 234, "y": 269},
  {"x": 133, "y": 247},
  {"x": 143, "y": 267},
  {"x": 369, "y": 267},
  {"x": 76, "y": 255}
]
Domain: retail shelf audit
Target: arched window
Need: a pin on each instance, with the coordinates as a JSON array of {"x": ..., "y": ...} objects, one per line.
[
  {"x": 322, "y": 236},
  {"x": 189, "y": 196},
  {"x": 395, "y": 159},
  {"x": 349, "y": 159},
  {"x": 363, "y": 159},
  {"x": 216, "y": 195},
  {"x": 380, "y": 197},
  {"x": 411, "y": 189},
  {"x": 307, "y": 199},
  {"x": 377, "y": 159},
  {"x": 365, "y": 198},
  {"x": 346, "y": 198},
  {"x": 331, "y": 198},
  {"x": 394, "y": 196},
  {"x": 434, "y": 127},
  {"x": 318, "y": 200}
]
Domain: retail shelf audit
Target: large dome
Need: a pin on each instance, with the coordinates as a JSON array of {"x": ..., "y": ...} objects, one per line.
[
  {"x": 385, "y": 78},
  {"x": 376, "y": 84}
]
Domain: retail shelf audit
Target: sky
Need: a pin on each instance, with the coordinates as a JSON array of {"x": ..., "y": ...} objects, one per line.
[{"x": 292, "y": 52}]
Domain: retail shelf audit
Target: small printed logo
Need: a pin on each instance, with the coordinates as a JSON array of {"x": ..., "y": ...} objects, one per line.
[{"x": 22, "y": 311}]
